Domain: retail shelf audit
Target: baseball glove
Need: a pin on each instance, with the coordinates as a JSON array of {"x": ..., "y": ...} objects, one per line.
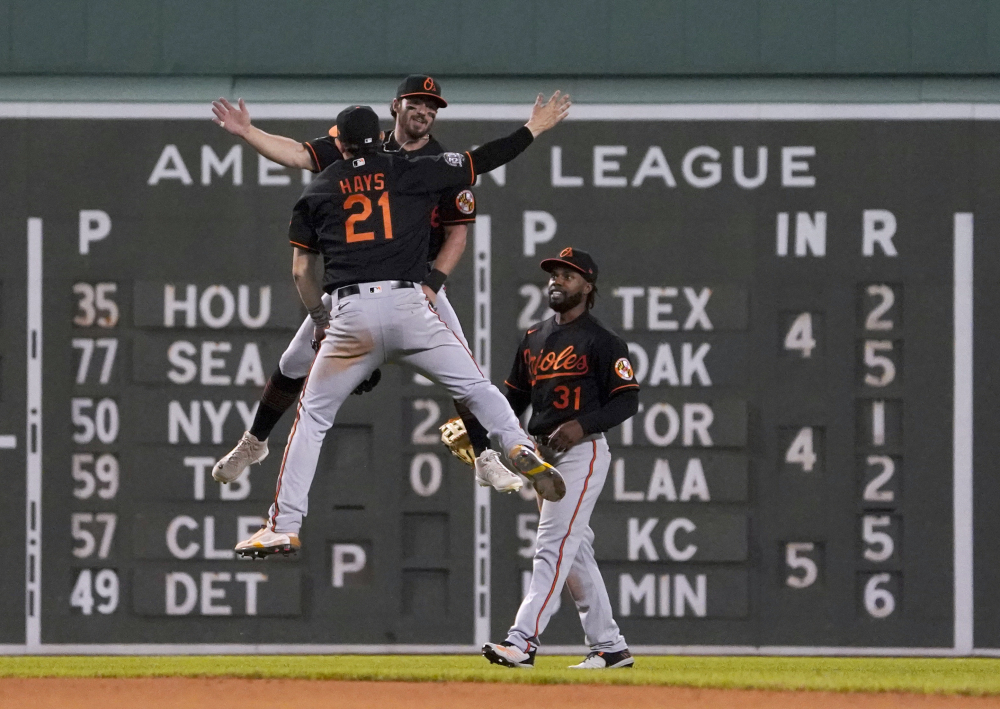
[{"x": 454, "y": 435}]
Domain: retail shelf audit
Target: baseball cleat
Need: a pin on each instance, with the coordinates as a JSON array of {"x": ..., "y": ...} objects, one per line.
[
  {"x": 546, "y": 479},
  {"x": 606, "y": 661},
  {"x": 508, "y": 655},
  {"x": 247, "y": 452},
  {"x": 490, "y": 471},
  {"x": 266, "y": 542}
]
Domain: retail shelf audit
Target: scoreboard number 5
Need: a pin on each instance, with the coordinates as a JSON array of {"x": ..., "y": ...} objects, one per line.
[{"x": 797, "y": 559}]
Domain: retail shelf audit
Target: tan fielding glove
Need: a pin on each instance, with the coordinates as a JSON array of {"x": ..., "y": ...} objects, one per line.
[{"x": 454, "y": 435}]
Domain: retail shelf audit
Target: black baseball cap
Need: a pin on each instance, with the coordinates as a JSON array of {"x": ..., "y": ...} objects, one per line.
[
  {"x": 421, "y": 85},
  {"x": 574, "y": 258},
  {"x": 358, "y": 125}
]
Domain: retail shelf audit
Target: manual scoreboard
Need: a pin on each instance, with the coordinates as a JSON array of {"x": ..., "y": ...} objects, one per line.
[{"x": 793, "y": 292}]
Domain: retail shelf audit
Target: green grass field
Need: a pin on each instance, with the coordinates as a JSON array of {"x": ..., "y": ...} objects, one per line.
[{"x": 924, "y": 675}]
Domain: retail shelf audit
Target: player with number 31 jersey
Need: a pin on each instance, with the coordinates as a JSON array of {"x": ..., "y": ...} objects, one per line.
[{"x": 576, "y": 375}]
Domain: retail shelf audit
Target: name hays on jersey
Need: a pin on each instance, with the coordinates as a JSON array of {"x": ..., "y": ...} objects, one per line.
[{"x": 362, "y": 183}]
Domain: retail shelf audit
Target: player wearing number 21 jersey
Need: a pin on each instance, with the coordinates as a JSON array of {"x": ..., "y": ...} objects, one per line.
[
  {"x": 367, "y": 217},
  {"x": 577, "y": 377},
  {"x": 370, "y": 215}
]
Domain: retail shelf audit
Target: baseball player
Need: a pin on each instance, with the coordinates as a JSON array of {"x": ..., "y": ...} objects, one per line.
[
  {"x": 577, "y": 377},
  {"x": 418, "y": 99},
  {"x": 366, "y": 216}
]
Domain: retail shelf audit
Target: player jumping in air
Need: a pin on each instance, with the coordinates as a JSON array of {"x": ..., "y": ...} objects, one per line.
[
  {"x": 577, "y": 377},
  {"x": 379, "y": 311},
  {"x": 415, "y": 108}
]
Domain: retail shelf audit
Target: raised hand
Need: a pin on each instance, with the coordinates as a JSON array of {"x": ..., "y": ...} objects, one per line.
[
  {"x": 546, "y": 114},
  {"x": 234, "y": 119}
]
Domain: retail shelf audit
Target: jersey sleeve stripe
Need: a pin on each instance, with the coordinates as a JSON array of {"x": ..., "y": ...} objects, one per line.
[
  {"x": 312, "y": 154},
  {"x": 303, "y": 246},
  {"x": 472, "y": 169},
  {"x": 623, "y": 386},
  {"x": 512, "y": 386},
  {"x": 449, "y": 222}
]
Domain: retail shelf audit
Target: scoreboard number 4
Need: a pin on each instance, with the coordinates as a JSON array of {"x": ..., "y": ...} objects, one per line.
[
  {"x": 800, "y": 335},
  {"x": 802, "y": 450}
]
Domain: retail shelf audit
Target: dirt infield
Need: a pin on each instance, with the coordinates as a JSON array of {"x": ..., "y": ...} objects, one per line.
[{"x": 306, "y": 694}]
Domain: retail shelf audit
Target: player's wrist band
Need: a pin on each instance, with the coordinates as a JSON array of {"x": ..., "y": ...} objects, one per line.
[
  {"x": 435, "y": 279},
  {"x": 320, "y": 315}
]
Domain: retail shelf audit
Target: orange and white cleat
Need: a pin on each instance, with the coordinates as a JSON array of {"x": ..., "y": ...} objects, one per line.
[{"x": 266, "y": 542}]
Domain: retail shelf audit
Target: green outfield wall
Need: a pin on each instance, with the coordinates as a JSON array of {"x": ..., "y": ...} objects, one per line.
[{"x": 509, "y": 38}]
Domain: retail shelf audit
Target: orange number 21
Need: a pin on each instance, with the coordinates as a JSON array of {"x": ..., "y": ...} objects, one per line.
[{"x": 366, "y": 211}]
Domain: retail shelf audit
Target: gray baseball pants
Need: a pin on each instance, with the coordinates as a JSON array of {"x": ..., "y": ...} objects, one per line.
[
  {"x": 564, "y": 553},
  {"x": 380, "y": 324},
  {"x": 298, "y": 356}
]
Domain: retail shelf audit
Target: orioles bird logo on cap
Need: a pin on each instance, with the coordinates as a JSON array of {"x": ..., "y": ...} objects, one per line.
[
  {"x": 429, "y": 84},
  {"x": 566, "y": 253}
]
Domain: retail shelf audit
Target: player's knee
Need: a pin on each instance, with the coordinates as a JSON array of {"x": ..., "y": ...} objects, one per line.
[
  {"x": 293, "y": 367},
  {"x": 545, "y": 557}
]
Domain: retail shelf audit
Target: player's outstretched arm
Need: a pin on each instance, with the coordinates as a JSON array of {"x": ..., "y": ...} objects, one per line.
[
  {"x": 546, "y": 114},
  {"x": 282, "y": 150}
]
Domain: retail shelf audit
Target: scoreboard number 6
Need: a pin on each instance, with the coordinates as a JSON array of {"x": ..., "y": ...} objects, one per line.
[{"x": 878, "y": 597}]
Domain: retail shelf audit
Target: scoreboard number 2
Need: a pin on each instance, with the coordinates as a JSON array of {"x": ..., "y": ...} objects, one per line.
[
  {"x": 876, "y": 316},
  {"x": 876, "y": 488}
]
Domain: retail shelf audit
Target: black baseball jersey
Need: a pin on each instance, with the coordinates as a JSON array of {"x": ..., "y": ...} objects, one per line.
[
  {"x": 369, "y": 216},
  {"x": 456, "y": 206},
  {"x": 570, "y": 370}
]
